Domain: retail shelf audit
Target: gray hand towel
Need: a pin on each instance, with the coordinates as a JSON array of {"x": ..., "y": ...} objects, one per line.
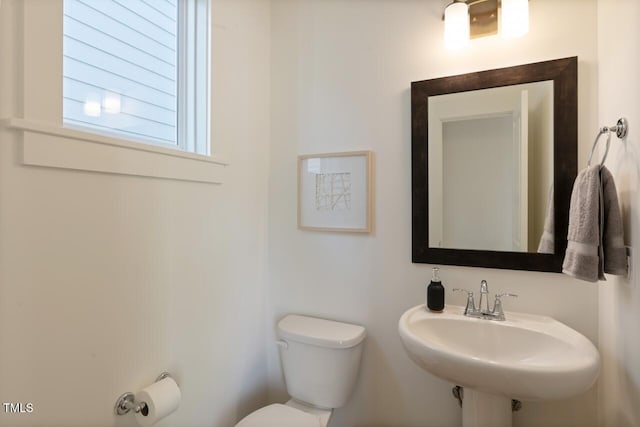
[
  {"x": 595, "y": 240},
  {"x": 583, "y": 239},
  {"x": 615, "y": 254}
]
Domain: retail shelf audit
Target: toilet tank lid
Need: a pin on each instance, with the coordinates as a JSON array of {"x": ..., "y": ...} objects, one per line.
[{"x": 320, "y": 332}]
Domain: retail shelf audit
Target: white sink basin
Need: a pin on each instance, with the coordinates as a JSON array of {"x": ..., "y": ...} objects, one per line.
[{"x": 526, "y": 357}]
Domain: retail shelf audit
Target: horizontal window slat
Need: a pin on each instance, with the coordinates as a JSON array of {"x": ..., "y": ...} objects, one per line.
[
  {"x": 123, "y": 120},
  {"x": 94, "y": 74},
  {"x": 132, "y": 50},
  {"x": 145, "y": 12},
  {"x": 121, "y": 27},
  {"x": 125, "y": 116},
  {"x": 121, "y": 124},
  {"x": 138, "y": 16},
  {"x": 101, "y": 89},
  {"x": 81, "y": 92},
  {"x": 167, "y": 9},
  {"x": 140, "y": 72}
]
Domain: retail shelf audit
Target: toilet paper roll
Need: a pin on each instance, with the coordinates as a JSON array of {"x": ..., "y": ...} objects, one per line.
[{"x": 161, "y": 399}]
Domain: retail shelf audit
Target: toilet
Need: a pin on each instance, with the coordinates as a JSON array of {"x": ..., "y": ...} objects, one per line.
[{"x": 320, "y": 360}]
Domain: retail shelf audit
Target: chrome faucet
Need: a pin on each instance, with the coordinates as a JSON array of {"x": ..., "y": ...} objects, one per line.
[{"x": 496, "y": 313}]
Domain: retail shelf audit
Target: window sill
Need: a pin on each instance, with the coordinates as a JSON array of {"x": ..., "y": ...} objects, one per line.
[{"x": 57, "y": 147}]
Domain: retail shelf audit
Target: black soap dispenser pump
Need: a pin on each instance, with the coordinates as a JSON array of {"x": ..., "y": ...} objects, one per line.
[{"x": 435, "y": 292}]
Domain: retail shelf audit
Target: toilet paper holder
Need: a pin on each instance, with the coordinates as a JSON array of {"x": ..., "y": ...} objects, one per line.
[{"x": 127, "y": 402}]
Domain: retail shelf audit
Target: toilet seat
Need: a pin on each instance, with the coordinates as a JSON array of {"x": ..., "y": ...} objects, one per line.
[{"x": 278, "y": 415}]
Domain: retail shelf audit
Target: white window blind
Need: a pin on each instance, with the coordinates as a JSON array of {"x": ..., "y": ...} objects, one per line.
[{"x": 121, "y": 67}]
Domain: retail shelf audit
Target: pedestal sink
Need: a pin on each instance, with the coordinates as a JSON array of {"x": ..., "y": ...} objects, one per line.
[{"x": 525, "y": 357}]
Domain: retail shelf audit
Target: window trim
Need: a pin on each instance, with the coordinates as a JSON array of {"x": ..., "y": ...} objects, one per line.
[
  {"x": 65, "y": 148},
  {"x": 38, "y": 115},
  {"x": 193, "y": 104}
]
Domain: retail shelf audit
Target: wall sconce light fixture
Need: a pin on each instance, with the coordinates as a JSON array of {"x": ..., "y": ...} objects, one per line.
[
  {"x": 456, "y": 25},
  {"x": 465, "y": 19}
]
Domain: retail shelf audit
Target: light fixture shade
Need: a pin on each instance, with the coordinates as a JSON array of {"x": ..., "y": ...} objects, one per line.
[
  {"x": 456, "y": 25},
  {"x": 515, "y": 18}
]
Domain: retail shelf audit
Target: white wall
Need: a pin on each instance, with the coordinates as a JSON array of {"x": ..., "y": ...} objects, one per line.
[
  {"x": 619, "y": 298},
  {"x": 341, "y": 72},
  {"x": 107, "y": 280}
]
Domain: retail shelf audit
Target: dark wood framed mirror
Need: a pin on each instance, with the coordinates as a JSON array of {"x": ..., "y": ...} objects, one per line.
[{"x": 494, "y": 153}]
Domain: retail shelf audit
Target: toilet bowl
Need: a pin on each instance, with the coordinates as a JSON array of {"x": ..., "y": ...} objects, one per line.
[
  {"x": 291, "y": 414},
  {"x": 320, "y": 361}
]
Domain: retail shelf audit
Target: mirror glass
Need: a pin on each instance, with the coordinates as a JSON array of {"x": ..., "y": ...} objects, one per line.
[
  {"x": 493, "y": 160},
  {"x": 490, "y": 167}
]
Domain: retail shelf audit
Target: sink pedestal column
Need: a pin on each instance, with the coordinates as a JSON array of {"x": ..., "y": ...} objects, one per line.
[{"x": 485, "y": 410}]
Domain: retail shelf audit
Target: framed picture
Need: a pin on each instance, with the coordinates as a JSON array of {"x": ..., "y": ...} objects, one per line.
[{"x": 335, "y": 192}]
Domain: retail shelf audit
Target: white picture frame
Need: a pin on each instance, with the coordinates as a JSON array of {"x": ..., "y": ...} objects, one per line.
[{"x": 335, "y": 192}]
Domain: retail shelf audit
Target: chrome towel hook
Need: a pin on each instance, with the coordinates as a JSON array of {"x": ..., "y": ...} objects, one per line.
[{"x": 620, "y": 129}]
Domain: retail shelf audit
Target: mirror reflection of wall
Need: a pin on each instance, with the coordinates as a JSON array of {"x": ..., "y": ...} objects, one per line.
[{"x": 490, "y": 167}]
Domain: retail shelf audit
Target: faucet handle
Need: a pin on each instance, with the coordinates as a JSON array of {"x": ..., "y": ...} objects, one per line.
[
  {"x": 497, "y": 305},
  {"x": 506, "y": 294},
  {"x": 471, "y": 304}
]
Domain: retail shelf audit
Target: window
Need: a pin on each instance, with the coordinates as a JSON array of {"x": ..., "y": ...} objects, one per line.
[
  {"x": 138, "y": 69},
  {"x": 51, "y": 137}
]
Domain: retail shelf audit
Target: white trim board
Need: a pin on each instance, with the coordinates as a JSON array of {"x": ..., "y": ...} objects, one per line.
[{"x": 57, "y": 147}]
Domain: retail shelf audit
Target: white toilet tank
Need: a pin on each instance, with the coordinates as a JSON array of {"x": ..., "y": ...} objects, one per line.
[{"x": 320, "y": 359}]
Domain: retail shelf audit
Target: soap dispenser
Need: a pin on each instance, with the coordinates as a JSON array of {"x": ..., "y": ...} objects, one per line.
[{"x": 435, "y": 292}]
